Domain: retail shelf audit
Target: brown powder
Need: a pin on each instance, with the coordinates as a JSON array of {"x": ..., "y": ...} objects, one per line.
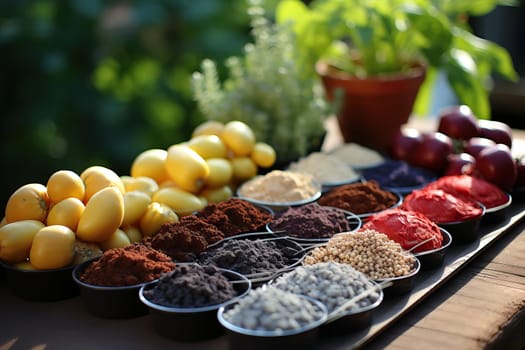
[
  {"x": 133, "y": 264},
  {"x": 235, "y": 216},
  {"x": 185, "y": 239},
  {"x": 359, "y": 198}
]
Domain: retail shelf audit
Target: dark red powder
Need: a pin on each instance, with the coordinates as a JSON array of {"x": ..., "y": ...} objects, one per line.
[
  {"x": 359, "y": 198},
  {"x": 185, "y": 239},
  {"x": 130, "y": 265},
  {"x": 235, "y": 216}
]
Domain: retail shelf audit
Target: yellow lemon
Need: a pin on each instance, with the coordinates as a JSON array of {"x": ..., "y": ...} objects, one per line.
[
  {"x": 209, "y": 127},
  {"x": 216, "y": 195},
  {"x": 150, "y": 163},
  {"x": 182, "y": 202},
  {"x": 103, "y": 214},
  {"x": 53, "y": 247},
  {"x": 263, "y": 155},
  {"x": 133, "y": 233},
  {"x": 118, "y": 239},
  {"x": 244, "y": 168},
  {"x": 141, "y": 183},
  {"x": 186, "y": 168},
  {"x": 221, "y": 172},
  {"x": 168, "y": 183},
  {"x": 127, "y": 181},
  {"x": 97, "y": 177},
  {"x": 16, "y": 239},
  {"x": 208, "y": 146},
  {"x": 135, "y": 205},
  {"x": 67, "y": 212},
  {"x": 63, "y": 184},
  {"x": 238, "y": 137},
  {"x": 29, "y": 202},
  {"x": 155, "y": 216}
]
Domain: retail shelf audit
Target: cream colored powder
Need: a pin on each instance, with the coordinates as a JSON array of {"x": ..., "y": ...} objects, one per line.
[
  {"x": 356, "y": 155},
  {"x": 324, "y": 168},
  {"x": 279, "y": 186}
]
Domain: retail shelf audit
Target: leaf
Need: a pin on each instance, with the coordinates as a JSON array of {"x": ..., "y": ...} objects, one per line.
[
  {"x": 468, "y": 86},
  {"x": 290, "y": 11},
  {"x": 424, "y": 96},
  {"x": 489, "y": 55},
  {"x": 434, "y": 28},
  {"x": 472, "y": 7}
]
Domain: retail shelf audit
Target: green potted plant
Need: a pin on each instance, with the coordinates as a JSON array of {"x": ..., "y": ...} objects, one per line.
[
  {"x": 265, "y": 89},
  {"x": 391, "y": 47}
]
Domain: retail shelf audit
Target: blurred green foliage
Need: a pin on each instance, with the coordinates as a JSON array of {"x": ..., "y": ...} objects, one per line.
[{"x": 97, "y": 82}]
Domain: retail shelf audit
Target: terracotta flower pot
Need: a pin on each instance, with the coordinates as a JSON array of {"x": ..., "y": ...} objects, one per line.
[{"x": 372, "y": 109}]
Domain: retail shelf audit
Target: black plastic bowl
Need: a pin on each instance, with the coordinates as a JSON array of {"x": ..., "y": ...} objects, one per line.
[
  {"x": 109, "y": 302},
  {"x": 247, "y": 339},
  {"x": 403, "y": 284},
  {"x": 352, "y": 320},
  {"x": 191, "y": 324},
  {"x": 434, "y": 258},
  {"x": 465, "y": 231},
  {"x": 40, "y": 285},
  {"x": 498, "y": 213}
]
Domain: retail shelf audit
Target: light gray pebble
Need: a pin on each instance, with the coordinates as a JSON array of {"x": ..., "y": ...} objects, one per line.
[
  {"x": 331, "y": 283},
  {"x": 273, "y": 309}
]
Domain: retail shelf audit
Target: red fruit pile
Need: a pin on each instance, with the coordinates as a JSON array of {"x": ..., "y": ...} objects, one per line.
[{"x": 462, "y": 144}]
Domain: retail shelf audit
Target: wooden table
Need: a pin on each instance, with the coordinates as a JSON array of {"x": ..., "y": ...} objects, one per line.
[{"x": 482, "y": 306}]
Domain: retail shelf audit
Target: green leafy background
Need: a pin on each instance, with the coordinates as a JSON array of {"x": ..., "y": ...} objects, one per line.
[{"x": 97, "y": 82}]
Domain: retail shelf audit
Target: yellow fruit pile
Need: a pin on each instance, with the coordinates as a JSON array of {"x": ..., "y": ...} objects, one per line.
[{"x": 77, "y": 216}]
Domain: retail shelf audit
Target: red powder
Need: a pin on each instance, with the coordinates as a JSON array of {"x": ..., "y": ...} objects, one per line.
[
  {"x": 471, "y": 188},
  {"x": 440, "y": 206},
  {"x": 133, "y": 264},
  {"x": 408, "y": 228}
]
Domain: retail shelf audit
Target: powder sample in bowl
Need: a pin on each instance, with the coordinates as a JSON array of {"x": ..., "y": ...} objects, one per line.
[
  {"x": 130, "y": 265},
  {"x": 408, "y": 228},
  {"x": 471, "y": 188},
  {"x": 185, "y": 239},
  {"x": 249, "y": 256},
  {"x": 356, "y": 155},
  {"x": 190, "y": 285},
  {"x": 234, "y": 216},
  {"x": 311, "y": 221},
  {"x": 440, "y": 206},
  {"x": 331, "y": 283},
  {"x": 272, "y": 309},
  {"x": 368, "y": 251},
  {"x": 280, "y": 186},
  {"x": 324, "y": 168},
  {"x": 359, "y": 198},
  {"x": 396, "y": 173}
]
